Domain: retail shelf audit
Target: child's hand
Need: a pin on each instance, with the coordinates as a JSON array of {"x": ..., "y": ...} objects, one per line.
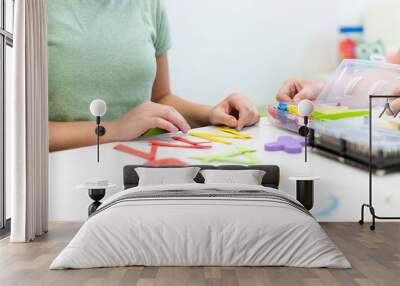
[
  {"x": 297, "y": 90},
  {"x": 144, "y": 117},
  {"x": 236, "y": 111}
]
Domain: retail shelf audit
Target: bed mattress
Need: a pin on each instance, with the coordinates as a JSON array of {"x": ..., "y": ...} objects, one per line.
[{"x": 201, "y": 225}]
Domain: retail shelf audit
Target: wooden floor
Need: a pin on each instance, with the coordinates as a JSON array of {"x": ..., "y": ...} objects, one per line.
[{"x": 375, "y": 257}]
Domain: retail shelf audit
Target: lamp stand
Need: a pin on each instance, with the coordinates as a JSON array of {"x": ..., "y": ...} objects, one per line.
[{"x": 100, "y": 131}]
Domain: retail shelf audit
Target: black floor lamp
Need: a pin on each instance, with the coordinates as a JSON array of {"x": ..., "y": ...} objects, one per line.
[{"x": 370, "y": 204}]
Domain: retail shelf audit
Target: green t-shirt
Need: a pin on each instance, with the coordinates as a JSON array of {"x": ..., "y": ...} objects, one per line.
[{"x": 103, "y": 49}]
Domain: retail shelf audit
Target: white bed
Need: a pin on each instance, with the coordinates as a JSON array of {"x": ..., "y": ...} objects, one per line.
[{"x": 201, "y": 225}]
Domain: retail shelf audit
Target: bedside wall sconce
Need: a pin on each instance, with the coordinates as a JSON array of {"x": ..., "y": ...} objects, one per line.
[
  {"x": 98, "y": 108},
  {"x": 305, "y": 108}
]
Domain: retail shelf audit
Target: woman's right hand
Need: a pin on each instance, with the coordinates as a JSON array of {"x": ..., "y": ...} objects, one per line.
[
  {"x": 146, "y": 116},
  {"x": 297, "y": 90}
]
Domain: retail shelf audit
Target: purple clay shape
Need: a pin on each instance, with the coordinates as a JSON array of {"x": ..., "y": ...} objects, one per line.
[
  {"x": 273, "y": 147},
  {"x": 288, "y": 144}
]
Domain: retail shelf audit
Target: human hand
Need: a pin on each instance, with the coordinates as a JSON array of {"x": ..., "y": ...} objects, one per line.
[
  {"x": 298, "y": 90},
  {"x": 235, "y": 111},
  {"x": 395, "y": 104},
  {"x": 144, "y": 117},
  {"x": 394, "y": 58}
]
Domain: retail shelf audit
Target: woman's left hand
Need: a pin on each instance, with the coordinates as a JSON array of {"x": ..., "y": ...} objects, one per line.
[{"x": 235, "y": 111}]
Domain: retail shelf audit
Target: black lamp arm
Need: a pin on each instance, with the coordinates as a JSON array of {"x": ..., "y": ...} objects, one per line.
[
  {"x": 304, "y": 131},
  {"x": 100, "y": 131}
]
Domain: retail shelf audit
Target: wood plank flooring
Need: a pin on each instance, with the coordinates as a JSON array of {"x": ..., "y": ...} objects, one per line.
[{"x": 375, "y": 257}]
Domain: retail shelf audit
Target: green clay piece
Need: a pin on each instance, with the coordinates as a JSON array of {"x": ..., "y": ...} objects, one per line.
[
  {"x": 250, "y": 157},
  {"x": 340, "y": 115},
  {"x": 263, "y": 111},
  {"x": 230, "y": 158},
  {"x": 234, "y": 161},
  {"x": 154, "y": 132}
]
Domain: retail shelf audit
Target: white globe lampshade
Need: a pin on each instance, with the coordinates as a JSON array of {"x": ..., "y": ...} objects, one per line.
[
  {"x": 98, "y": 107},
  {"x": 305, "y": 107}
]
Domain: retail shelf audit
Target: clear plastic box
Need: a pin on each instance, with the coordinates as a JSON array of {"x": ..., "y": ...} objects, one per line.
[
  {"x": 355, "y": 80},
  {"x": 341, "y": 118}
]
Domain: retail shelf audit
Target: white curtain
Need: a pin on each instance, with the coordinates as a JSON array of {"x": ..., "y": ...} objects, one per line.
[{"x": 28, "y": 157}]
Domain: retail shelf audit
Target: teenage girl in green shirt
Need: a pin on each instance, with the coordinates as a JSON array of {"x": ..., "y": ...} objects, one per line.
[{"x": 116, "y": 50}]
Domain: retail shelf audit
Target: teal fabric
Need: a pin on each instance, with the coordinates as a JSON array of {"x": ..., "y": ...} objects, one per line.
[{"x": 103, "y": 49}]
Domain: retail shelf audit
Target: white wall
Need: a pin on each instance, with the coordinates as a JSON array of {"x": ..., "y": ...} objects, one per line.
[
  {"x": 252, "y": 46},
  {"x": 383, "y": 21}
]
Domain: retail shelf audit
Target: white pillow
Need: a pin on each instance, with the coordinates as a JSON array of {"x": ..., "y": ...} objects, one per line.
[
  {"x": 166, "y": 176},
  {"x": 243, "y": 177}
]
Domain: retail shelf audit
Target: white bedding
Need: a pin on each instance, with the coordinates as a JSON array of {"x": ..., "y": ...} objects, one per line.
[{"x": 200, "y": 231}]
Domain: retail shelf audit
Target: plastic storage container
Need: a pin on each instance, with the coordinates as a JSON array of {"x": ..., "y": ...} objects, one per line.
[
  {"x": 340, "y": 121},
  {"x": 355, "y": 80}
]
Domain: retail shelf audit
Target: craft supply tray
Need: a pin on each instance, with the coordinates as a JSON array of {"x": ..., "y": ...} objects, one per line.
[{"x": 340, "y": 121}]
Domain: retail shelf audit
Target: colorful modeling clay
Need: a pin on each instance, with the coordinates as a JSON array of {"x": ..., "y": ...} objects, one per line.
[
  {"x": 287, "y": 115},
  {"x": 249, "y": 155},
  {"x": 340, "y": 115},
  {"x": 288, "y": 144},
  {"x": 329, "y": 109},
  {"x": 293, "y": 109},
  {"x": 230, "y": 157},
  {"x": 283, "y": 106},
  {"x": 234, "y": 132},
  {"x": 272, "y": 110},
  {"x": 150, "y": 157},
  {"x": 216, "y": 137},
  {"x": 165, "y": 144},
  {"x": 187, "y": 141},
  {"x": 138, "y": 153},
  {"x": 166, "y": 162},
  {"x": 209, "y": 137}
]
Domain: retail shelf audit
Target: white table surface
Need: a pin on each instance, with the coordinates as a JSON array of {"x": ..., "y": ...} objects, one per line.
[{"x": 339, "y": 193}]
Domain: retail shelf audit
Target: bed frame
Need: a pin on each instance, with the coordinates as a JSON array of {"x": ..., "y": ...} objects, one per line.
[
  {"x": 271, "y": 177},
  {"x": 131, "y": 179},
  {"x": 304, "y": 190}
]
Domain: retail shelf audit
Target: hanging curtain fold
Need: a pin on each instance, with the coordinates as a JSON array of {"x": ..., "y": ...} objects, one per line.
[{"x": 28, "y": 158}]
